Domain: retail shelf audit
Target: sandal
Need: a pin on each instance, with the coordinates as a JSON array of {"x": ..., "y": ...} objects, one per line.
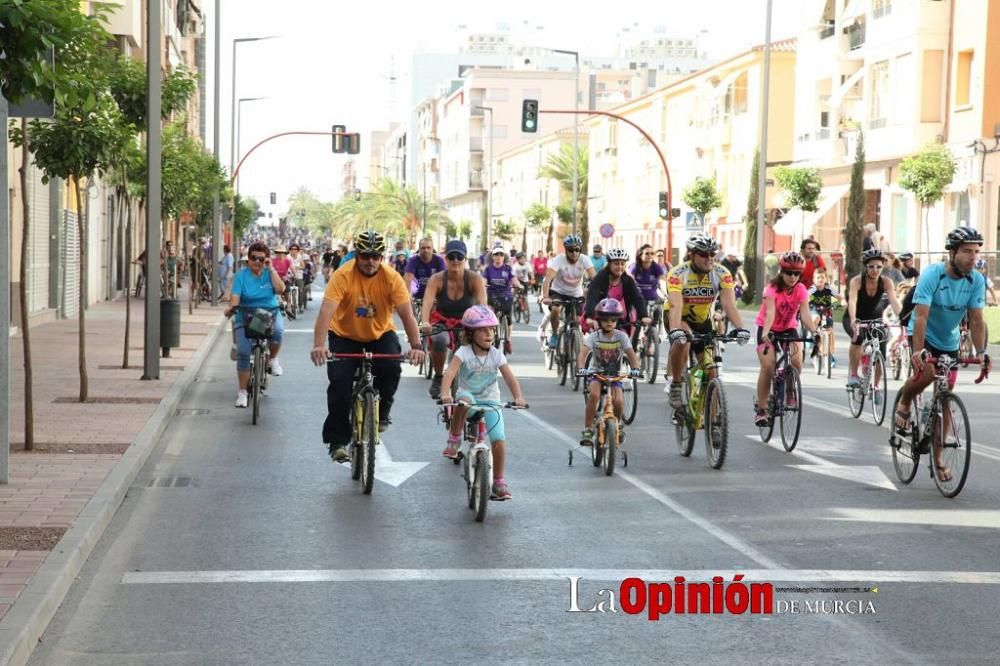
[{"x": 902, "y": 422}]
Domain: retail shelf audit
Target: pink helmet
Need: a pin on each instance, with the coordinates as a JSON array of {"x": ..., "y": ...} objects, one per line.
[
  {"x": 479, "y": 316},
  {"x": 609, "y": 307}
]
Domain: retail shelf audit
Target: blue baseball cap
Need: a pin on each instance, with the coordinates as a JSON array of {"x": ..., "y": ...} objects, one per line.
[{"x": 456, "y": 246}]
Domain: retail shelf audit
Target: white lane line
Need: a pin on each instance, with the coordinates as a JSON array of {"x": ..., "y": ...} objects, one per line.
[
  {"x": 681, "y": 510},
  {"x": 983, "y": 518},
  {"x": 555, "y": 574}
]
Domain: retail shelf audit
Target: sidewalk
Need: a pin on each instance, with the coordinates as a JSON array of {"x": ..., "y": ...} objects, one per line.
[{"x": 62, "y": 495}]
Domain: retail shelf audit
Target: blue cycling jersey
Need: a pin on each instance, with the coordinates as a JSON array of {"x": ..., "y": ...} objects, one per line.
[{"x": 949, "y": 299}]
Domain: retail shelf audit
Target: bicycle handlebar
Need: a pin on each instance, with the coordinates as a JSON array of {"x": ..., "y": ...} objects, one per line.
[
  {"x": 587, "y": 372},
  {"x": 462, "y": 403},
  {"x": 950, "y": 362},
  {"x": 334, "y": 356}
]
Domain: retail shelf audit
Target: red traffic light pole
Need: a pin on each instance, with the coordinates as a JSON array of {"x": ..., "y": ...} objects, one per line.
[{"x": 663, "y": 162}]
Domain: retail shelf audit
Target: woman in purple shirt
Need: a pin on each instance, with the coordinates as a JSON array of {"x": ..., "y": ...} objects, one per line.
[
  {"x": 500, "y": 283},
  {"x": 648, "y": 274}
]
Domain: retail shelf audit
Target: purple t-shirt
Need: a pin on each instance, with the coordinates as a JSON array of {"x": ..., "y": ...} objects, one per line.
[
  {"x": 647, "y": 280},
  {"x": 499, "y": 281},
  {"x": 422, "y": 272}
]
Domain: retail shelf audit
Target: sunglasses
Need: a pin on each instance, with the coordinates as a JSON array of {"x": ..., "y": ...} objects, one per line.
[
  {"x": 573, "y": 250},
  {"x": 369, "y": 256},
  {"x": 455, "y": 256},
  {"x": 875, "y": 268},
  {"x": 705, "y": 255},
  {"x": 258, "y": 257},
  {"x": 792, "y": 273}
]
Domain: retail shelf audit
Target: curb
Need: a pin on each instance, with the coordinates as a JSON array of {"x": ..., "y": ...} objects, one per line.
[{"x": 23, "y": 625}]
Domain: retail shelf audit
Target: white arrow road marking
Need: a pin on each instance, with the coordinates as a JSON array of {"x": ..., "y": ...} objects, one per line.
[
  {"x": 775, "y": 575},
  {"x": 865, "y": 474},
  {"x": 387, "y": 471},
  {"x": 947, "y": 518}
]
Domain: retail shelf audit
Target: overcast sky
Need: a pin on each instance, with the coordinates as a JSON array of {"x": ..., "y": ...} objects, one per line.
[{"x": 332, "y": 63}]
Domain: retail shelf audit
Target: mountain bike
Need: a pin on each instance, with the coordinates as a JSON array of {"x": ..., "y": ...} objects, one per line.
[
  {"x": 784, "y": 403},
  {"x": 608, "y": 433},
  {"x": 502, "y": 339},
  {"x": 364, "y": 415},
  {"x": 647, "y": 346},
  {"x": 477, "y": 463},
  {"x": 941, "y": 422},
  {"x": 874, "y": 380},
  {"x": 568, "y": 341},
  {"x": 705, "y": 400},
  {"x": 522, "y": 313}
]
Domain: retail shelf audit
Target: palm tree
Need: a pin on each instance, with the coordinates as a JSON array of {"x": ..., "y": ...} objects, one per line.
[
  {"x": 559, "y": 167},
  {"x": 391, "y": 209}
]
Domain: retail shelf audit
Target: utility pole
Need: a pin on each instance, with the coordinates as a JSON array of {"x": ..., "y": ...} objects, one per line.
[
  {"x": 762, "y": 172},
  {"x": 216, "y": 205},
  {"x": 154, "y": 149}
]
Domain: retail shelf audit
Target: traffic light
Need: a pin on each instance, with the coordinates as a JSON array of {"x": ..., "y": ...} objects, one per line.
[
  {"x": 353, "y": 143},
  {"x": 274, "y": 198},
  {"x": 665, "y": 205},
  {"x": 529, "y": 115},
  {"x": 338, "y": 141}
]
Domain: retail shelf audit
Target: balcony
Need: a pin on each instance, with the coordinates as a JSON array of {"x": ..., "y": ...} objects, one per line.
[
  {"x": 881, "y": 9},
  {"x": 476, "y": 180},
  {"x": 856, "y": 36},
  {"x": 476, "y": 144},
  {"x": 827, "y": 32},
  {"x": 878, "y": 123}
]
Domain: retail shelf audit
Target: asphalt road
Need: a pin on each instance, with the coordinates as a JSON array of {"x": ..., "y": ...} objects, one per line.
[{"x": 243, "y": 544}]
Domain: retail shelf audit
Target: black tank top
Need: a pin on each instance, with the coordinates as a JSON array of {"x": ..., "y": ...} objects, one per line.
[
  {"x": 454, "y": 309},
  {"x": 867, "y": 306}
]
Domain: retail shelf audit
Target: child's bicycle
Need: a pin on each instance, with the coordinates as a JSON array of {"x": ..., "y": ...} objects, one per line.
[
  {"x": 477, "y": 467},
  {"x": 784, "y": 404},
  {"x": 705, "y": 400},
  {"x": 822, "y": 358},
  {"x": 940, "y": 422},
  {"x": 608, "y": 435}
]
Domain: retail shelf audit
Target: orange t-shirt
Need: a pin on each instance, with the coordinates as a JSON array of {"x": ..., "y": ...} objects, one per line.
[{"x": 364, "y": 305}]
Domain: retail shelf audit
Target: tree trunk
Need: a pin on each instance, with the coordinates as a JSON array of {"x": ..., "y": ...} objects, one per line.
[
  {"x": 29, "y": 404},
  {"x": 128, "y": 274},
  {"x": 548, "y": 237},
  {"x": 524, "y": 239},
  {"x": 81, "y": 227}
]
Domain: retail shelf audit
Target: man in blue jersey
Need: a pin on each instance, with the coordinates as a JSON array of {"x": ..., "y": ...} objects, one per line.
[{"x": 943, "y": 295}]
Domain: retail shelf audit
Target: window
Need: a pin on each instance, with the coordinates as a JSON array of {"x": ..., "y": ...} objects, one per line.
[
  {"x": 880, "y": 95},
  {"x": 740, "y": 93},
  {"x": 963, "y": 78},
  {"x": 905, "y": 92},
  {"x": 932, "y": 80},
  {"x": 961, "y": 209}
]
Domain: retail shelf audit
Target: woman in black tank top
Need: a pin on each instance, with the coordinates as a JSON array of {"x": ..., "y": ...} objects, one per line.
[
  {"x": 864, "y": 296},
  {"x": 447, "y": 296}
]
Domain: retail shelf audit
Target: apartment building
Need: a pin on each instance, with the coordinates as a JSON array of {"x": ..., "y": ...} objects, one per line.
[{"x": 707, "y": 124}]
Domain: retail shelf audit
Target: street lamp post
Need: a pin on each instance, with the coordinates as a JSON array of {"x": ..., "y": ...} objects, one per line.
[
  {"x": 154, "y": 201},
  {"x": 232, "y": 114},
  {"x": 489, "y": 184},
  {"x": 216, "y": 204},
  {"x": 576, "y": 128},
  {"x": 239, "y": 122},
  {"x": 762, "y": 171}
]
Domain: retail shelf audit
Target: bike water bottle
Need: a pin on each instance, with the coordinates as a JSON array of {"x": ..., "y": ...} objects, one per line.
[
  {"x": 864, "y": 364},
  {"x": 698, "y": 375}
]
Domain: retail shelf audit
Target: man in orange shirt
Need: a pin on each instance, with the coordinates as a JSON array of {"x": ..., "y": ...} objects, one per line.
[{"x": 356, "y": 316}]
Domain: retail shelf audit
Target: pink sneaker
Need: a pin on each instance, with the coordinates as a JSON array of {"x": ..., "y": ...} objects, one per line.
[{"x": 451, "y": 450}]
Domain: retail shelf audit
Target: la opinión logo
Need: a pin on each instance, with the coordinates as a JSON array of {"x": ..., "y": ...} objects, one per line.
[{"x": 635, "y": 596}]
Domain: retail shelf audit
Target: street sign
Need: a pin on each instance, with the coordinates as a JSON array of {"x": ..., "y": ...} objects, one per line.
[
  {"x": 693, "y": 221},
  {"x": 607, "y": 230}
]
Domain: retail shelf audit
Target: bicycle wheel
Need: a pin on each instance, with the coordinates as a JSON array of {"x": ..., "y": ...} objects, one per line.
[
  {"x": 610, "y": 446},
  {"x": 257, "y": 377},
  {"x": 951, "y": 432},
  {"x": 896, "y": 362},
  {"x": 880, "y": 389},
  {"x": 905, "y": 450},
  {"x": 791, "y": 412},
  {"x": 481, "y": 490},
  {"x": 562, "y": 352},
  {"x": 369, "y": 435},
  {"x": 427, "y": 369},
  {"x": 574, "y": 351},
  {"x": 653, "y": 354},
  {"x": 716, "y": 423},
  {"x": 856, "y": 397},
  {"x": 684, "y": 425},
  {"x": 467, "y": 474},
  {"x": 517, "y": 311},
  {"x": 526, "y": 311},
  {"x": 357, "y": 436},
  {"x": 630, "y": 391},
  {"x": 584, "y": 392}
]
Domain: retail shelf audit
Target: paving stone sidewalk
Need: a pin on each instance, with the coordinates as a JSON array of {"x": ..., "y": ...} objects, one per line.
[{"x": 77, "y": 445}]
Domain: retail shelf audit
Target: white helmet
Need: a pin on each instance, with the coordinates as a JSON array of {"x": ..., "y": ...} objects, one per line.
[{"x": 617, "y": 254}]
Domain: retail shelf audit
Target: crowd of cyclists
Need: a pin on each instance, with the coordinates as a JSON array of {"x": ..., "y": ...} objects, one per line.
[{"x": 457, "y": 310}]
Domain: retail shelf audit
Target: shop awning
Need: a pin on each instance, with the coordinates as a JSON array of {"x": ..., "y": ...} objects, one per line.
[{"x": 799, "y": 223}]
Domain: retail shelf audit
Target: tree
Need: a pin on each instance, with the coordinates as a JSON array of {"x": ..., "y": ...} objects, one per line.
[
  {"x": 927, "y": 174},
  {"x": 247, "y": 211},
  {"x": 750, "y": 257},
  {"x": 30, "y": 29},
  {"x": 855, "y": 211},
  {"x": 702, "y": 196},
  {"x": 504, "y": 230},
  {"x": 564, "y": 213},
  {"x": 559, "y": 167},
  {"x": 802, "y": 186},
  {"x": 390, "y": 208},
  {"x": 538, "y": 217},
  {"x": 461, "y": 230}
]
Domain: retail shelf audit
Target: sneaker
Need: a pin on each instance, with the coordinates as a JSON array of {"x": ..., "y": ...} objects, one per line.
[
  {"x": 833, "y": 361},
  {"x": 451, "y": 449},
  {"x": 587, "y": 437},
  {"x": 877, "y": 398},
  {"x": 760, "y": 418},
  {"x": 540, "y": 335},
  {"x": 435, "y": 388},
  {"x": 791, "y": 402},
  {"x": 676, "y": 392},
  {"x": 241, "y": 399},
  {"x": 233, "y": 352},
  {"x": 500, "y": 491},
  {"x": 276, "y": 368},
  {"x": 383, "y": 423},
  {"x": 339, "y": 453},
  {"x": 508, "y": 348},
  {"x": 553, "y": 341},
  {"x": 853, "y": 381}
]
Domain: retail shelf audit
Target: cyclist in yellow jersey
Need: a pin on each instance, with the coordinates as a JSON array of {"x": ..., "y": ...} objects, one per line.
[{"x": 692, "y": 289}]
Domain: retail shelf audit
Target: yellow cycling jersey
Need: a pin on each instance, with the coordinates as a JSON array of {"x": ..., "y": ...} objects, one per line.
[{"x": 699, "y": 290}]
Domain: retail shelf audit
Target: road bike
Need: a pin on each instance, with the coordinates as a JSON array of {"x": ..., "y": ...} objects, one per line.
[
  {"x": 821, "y": 355},
  {"x": 705, "y": 400},
  {"x": 941, "y": 422},
  {"x": 426, "y": 368},
  {"x": 965, "y": 347},
  {"x": 290, "y": 299},
  {"x": 502, "y": 339},
  {"x": 784, "y": 403},
  {"x": 873, "y": 378},
  {"x": 568, "y": 342},
  {"x": 647, "y": 346},
  {"x": 364, "y": 415},
  {"x": 477, "y": 462},
  {"x": 899, "y": 354},
  {"x": 608, "y": 434},
  {"x": 522, "y": 313}
]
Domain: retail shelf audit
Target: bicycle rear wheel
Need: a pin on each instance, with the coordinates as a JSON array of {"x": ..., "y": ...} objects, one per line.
[
  {"x": 562, "y": 351},
  {"x": 716, "y": 423},
  {"x": 369, "y": 435},
  {"x": 526, "y": 311},
  {"x": 427, "y": 367},
  {"x": 630, "y": 391},
  {"x": 684, "y": 425},
  {"x": 896, "y": 362},
  {"x": 257, "y": 379},
  {"x": 610, "y": 446},
  {"x": 880, "y": 388},
  {"x": 951, "y": 432},
  {"x": 856, "y": 397},
  {"x": 357, "y": 436},
  {"x": 481, "y": 486},
  {"x": 905, "y": 450},
  {"x": 574, "y": 351},
  {"x": 791, "y": 412}
]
